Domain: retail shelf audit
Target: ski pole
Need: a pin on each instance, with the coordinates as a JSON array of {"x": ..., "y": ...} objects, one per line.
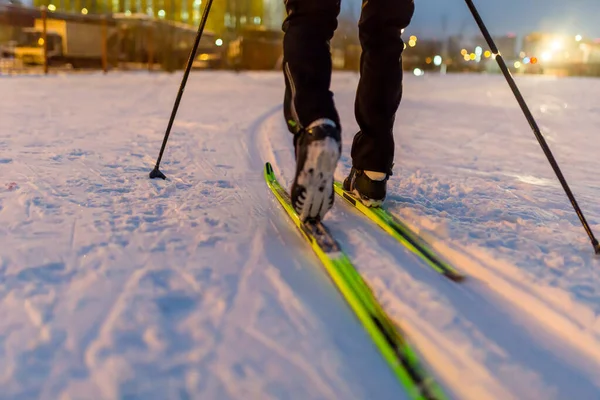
[
  {"x": 155, "y": 173},
  {"x": 532, "y": 123}
]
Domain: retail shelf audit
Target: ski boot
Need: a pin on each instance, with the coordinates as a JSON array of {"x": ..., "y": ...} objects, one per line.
[
  {"x": 318, "y": 149},
  {"x": 367, "y": 186}
]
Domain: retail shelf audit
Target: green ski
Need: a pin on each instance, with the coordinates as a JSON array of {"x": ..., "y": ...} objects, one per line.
[
  {"x": 388, "y": 338},
  {"x": 403, "y": 234}
]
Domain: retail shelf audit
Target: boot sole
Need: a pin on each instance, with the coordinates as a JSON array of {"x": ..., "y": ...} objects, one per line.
[{"x": 316, "y": 177}]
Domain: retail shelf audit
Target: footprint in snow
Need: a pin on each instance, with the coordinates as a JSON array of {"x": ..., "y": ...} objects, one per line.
[{"x": 221, "y": 184}]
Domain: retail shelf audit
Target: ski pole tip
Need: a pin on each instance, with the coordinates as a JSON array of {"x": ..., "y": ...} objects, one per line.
[
  {"x": 155, "y": 173},
  {"x": 596, "y": 246}
]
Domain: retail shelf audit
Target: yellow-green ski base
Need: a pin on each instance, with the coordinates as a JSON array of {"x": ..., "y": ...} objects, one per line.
[
  {"x": 402, "y": 233},
  {"x": 388, "y": 338}
]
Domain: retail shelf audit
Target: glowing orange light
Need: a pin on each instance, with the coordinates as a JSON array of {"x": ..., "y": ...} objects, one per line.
[
  {"x": 428, "y": 60},
  {"x": 533, "y": 60}
]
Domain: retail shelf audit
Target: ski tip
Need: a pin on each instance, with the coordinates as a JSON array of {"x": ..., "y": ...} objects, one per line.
[
  {"x": 455, "y": 276},
  {"x": 268, "y": 168}
]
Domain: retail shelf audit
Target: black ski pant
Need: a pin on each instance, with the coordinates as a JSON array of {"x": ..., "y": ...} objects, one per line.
[{"x": 307, "y": 65}]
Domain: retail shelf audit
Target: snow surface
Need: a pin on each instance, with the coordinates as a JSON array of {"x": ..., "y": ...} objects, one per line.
[{"x": 113, "y": 285}]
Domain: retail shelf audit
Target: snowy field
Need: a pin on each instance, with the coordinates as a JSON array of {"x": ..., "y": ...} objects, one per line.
[{"x": 115, "y": 286}]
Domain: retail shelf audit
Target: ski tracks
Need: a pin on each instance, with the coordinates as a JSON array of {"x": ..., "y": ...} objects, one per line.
[{"x": 114, "y": 285}]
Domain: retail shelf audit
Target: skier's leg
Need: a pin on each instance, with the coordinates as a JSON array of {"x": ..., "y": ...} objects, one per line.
[
  {"x": 378, "y": 96},
  {"x": 308, "y": 28},
  {"x": 380, "y": 87},
  {"x": 308, "y": 105}
]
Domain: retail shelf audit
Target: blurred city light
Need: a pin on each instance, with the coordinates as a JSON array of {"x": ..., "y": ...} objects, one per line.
[
  {"x": 487, "y": 54},
  {"x": 526, "y": 60},
  {"x": 464, "y": 52},
  {"x": 478, "y": 53},
  {"x": 84, "y": 11},
  {"x": 437, "y": 60},
  {"x": 517, "y": 64},
  {"x": 578, "y": 38},
  {"x": 413, "y": 38},
  {"x": 557, "y": 45},
  {"x": 219, "y": 42},
  {"x": 473, "y": 56},
  {"x": 546, "y": 56},
  {"x": 467, "y": 57},
  {"x": 418, "y": 72},
  {"x": 428, "y": 60},
  {"x": 412, "y": 43},
  {"x": 52, "y": 7}
]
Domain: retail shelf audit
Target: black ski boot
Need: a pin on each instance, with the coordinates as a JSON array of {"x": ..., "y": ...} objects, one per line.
[
  {"x": 318, "y": 149},
  {"x": 368, "y": 186}
]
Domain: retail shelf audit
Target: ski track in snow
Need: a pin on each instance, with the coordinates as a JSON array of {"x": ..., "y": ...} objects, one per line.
[{"x": 113, "y": 285}]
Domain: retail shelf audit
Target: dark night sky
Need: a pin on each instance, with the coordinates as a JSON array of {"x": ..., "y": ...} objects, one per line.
[{"x": 503, "y": 16}]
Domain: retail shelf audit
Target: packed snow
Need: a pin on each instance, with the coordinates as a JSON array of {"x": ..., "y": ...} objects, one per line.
[{"x": 113, "y": 285}]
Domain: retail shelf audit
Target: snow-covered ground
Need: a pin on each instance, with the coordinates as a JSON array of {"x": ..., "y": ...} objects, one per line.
[{"x": 116, "y": 286}]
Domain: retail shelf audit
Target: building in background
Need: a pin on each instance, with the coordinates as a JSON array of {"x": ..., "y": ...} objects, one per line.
[{"x": 225, "y": 16}]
